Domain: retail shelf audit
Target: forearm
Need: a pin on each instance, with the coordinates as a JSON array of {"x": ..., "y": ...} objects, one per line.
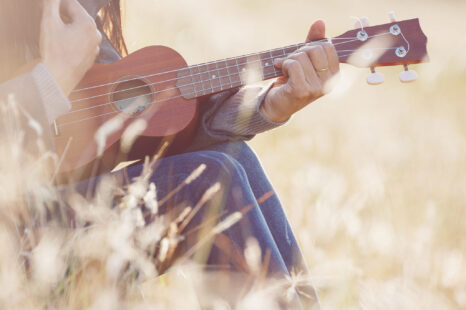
[
  {"x": 240, "y": 115},
  {"x": 232, "y": 116}
]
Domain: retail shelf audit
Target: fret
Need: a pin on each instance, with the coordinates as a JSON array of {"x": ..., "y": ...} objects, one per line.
[
  {"x": 224, "y": 77},
  {"x": 268, "y": 69},
  {"x": 184, "y": 83},
  {"x": 290, "y": 49},
  {"x": 232, "y": 70},
  {"x": 243, "y": 63},
  {"x": 229, "y": 77},
  {"x": 210, "y": 77},
  {"x": 277, "y": 53},
  {"x": 205, "y": 78},
  {"x": 255, "y": 66},
  {"x": 215, "y": 76},
  {"x": 283, "y": 51},
  {"x": 193, "y": 82},
  {"x": 272, "y": 58},
  {"x": 199, "y": 88},
  {"x": 239, "y": 71},
  {"x": 221, "y": 76},
  {"x": 218, "y": 76},
  {"x": 224, "y": 81}
]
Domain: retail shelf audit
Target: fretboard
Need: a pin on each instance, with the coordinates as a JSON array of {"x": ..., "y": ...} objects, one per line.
[{"x": 213, "y": 77}]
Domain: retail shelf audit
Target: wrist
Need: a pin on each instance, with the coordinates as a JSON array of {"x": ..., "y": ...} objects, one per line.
[
  {"x": 62, "y": 79},
  {"x": 272, "y": 113}
]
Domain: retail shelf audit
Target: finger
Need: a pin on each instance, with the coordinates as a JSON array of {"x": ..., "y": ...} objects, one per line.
[
  {"x": 278, "y": 62},
  {"x": 320, "y": 62},
  {"x": 296, "y": 86},
  {"x": 317, "y": 31},
  {"x": 306, "y": 64},
  {"x": 332, "y": 57}
]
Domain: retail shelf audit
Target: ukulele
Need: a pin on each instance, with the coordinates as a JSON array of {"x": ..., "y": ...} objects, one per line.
[{"x": 152, "y": 94}]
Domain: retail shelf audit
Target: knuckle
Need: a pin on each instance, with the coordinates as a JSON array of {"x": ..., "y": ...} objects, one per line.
[
  {"x": 319, "y": 49},
  {"x": 317, "y": 90},
  {"x": 302, "y": 94},
  {"x": 326, "y": 44},
  {"x": 312, "y": 50},
  {"x": 329, "y": 47},
  {"x": 294, "y": 65},
  {"x": 291, "y": 64},
  {"x": 299, "y": 56},
  {"x": 307, "y": 49},
  {"x": 289, "y": 92}
]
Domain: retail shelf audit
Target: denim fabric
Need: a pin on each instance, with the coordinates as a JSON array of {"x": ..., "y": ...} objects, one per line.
[{"x": 244, "y": 186}]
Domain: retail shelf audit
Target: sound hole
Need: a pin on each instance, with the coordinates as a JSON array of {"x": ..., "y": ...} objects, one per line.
[{"x": 132, "y": 97}]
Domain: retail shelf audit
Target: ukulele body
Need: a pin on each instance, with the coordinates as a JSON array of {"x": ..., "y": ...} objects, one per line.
[{"x": 141, "y": 86}]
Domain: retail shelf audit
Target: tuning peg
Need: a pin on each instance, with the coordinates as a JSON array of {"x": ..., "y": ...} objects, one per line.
[
  {"x": 361, "y": 22},
  {"x": 375, "y": 78},
  {"x": 392, "y": 16},
  {"x": 408, "y": 76}
]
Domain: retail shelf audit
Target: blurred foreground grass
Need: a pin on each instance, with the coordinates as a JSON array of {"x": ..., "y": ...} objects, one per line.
[{"x": 373, "y": 178}]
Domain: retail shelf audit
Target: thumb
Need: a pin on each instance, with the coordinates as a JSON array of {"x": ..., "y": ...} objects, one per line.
[{"x": 317, "y": 31}]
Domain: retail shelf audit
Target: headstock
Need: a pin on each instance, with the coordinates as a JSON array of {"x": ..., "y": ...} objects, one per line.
[{"x": 396, "y": 43}]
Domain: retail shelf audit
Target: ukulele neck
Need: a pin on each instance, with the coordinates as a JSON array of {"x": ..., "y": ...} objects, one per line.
[{"x": 213, "y": 77}]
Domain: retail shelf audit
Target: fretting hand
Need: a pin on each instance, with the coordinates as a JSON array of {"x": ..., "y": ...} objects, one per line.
[
  {"x": 69, "y": 41},
  {"x": 306, "y": 76}
]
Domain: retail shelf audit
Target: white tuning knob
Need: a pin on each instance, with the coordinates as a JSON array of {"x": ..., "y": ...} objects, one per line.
[
  {"x": 392, "y": 16},
  {"x": 362, "y": 22},
  {"x": 408, "y": 76},
  {"x": 375, "y": 78}
]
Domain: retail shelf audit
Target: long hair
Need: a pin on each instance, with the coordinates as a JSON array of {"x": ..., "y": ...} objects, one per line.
[
  {"x": 111, "y": 20},
  {"x": 20, "y": 30}
]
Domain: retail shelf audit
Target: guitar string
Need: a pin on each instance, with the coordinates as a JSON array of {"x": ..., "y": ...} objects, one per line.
[
  {"x": 193, "y": 75},
  {"x": 208, "y": 63},
  {"x": 266, "y": 76},
  {"x": 227, "y": 59},
  {"x": 208, "y": 72},
  {"x": 114, "y": 112},
  {"x": 198, "y": 83}
]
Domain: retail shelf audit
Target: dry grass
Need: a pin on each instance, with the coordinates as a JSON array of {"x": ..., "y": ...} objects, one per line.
[{"x": 376, "y": 188}]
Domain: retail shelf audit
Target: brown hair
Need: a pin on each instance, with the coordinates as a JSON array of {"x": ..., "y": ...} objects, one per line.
[
  {"x": 111, "y": 21},
  {"x": 20, "y": 31}
]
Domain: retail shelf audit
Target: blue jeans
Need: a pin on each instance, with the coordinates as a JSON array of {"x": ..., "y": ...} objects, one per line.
[{"x": 244, "y": 188}]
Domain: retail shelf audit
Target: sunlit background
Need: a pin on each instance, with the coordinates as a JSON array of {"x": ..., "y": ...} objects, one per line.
[{"x": 372, "y": 178}]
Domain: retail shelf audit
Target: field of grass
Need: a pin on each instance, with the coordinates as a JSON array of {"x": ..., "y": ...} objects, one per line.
[{"x": 373, "y": 178}]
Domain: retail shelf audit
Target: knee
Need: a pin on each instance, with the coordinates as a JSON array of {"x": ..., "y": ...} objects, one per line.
[
  {"x": 221, "y": 167},
  {"x": 241, "y": 152}
]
